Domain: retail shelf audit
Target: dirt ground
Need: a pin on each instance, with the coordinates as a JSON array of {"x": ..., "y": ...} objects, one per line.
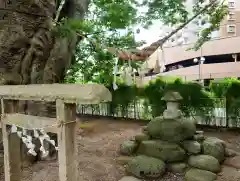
[{"x": 98, "y": 154}]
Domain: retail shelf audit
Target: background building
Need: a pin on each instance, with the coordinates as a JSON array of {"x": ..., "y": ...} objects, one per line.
[{"x": 217, "y": 58}]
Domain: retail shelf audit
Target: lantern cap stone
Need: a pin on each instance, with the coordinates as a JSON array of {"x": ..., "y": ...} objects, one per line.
[{"x": 172, "y": 96}]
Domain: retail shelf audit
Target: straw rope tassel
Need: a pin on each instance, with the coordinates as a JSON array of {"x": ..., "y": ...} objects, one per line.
[{"x": 115, "y": 87}]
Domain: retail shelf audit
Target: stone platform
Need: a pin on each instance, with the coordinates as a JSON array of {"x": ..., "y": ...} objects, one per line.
[{"x": 172, "y": 143}]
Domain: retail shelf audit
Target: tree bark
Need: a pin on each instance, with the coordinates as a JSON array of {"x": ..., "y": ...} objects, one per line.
[{"x": 30, "y": 53}]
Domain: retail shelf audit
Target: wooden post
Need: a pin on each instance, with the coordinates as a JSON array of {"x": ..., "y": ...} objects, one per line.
[
  {"x": 12, "y": 151},
  {"x": 66, "y": 113}
]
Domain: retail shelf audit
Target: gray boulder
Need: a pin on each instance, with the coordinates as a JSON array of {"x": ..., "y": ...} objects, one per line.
[
  {"x": 171, "y": 130},
  {"x": 192, "y": 147},
  {"x": 214, "y": 147},
  {"x": 142, "y": 137},
  {"x": 168, "y": 152},
  {"x": 198, "y": 137},
  {"x": 128, "y": 147},
  {"x": 199, "y": 132},
  {"x": 123, "y": 160},
  {"x": 205, "y": 162},
  {"x": 199, "y": 175},
  {"x": 177, "y": 167},
  {"x": 146, "y": 167},
  {"x": 129, "y": 178}
]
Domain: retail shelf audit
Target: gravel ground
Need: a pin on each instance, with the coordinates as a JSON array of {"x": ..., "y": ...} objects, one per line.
[{"x": 98, "y": 149}]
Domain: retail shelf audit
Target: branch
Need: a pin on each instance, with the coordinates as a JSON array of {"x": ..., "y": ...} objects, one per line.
[
  {"x": 187, "y": 22},
  {"x": 154, "y": 46},
  {"x": 59, "y": 10}
]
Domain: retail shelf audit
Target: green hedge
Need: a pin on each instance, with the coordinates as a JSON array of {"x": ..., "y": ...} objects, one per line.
[
  {"x": 195, "y": 97},
  {"x": 229, "y": 89}
]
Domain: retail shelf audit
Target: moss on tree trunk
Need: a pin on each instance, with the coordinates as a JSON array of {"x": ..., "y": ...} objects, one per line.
[{"x": 30, "y": 53}]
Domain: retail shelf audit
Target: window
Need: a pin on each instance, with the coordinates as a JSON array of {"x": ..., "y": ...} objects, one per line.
[
  {"x": 231, "y": 4},
  {"x": 231, "y": 16},
  {"x": 231, "y": 28}
]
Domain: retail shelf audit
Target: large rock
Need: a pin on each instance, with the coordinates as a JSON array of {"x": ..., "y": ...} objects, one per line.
[
  {"x": 177, "y": 167},
  {"x": 172, "y": 130},
  {"x": 199, "y": 175},
  {"x": 128, "y": 147},
  {"x": 129, "y": 178},
  {"x": 142, "y": 137},
  {"x": 192, "y": 147},
  {"x": 204, "y": 162},
  {"x": 199, "y": 136},
  {"x": 168, "y": 152},
  {"x": 143, "y": 166},
  {"x": 214, "y": 147},
  {"x": 123, "y": 160}
]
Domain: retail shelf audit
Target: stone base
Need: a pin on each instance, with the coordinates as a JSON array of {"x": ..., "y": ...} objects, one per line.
[
  {"x": 191, "y": 157},
  {"x": 172, "y": 143}
]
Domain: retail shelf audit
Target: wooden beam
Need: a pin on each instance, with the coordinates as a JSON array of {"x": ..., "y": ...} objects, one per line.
[
  {"x": 12, "y": 150},
  {"x": 66, "y": 113}
]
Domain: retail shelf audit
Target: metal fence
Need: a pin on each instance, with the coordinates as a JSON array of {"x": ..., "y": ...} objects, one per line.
[{"x": 216, "y": 117}]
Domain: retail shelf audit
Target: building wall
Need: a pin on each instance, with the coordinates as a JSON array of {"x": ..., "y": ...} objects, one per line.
[
  {"x": 234, "y": 13},
  {"x": 204, "y": 71},
  {"x": 232, "y": 21},
  {"x": 193, "y": 28},
  {"x": 178, "y": 53},
  {"x": 223, "y": 42}
]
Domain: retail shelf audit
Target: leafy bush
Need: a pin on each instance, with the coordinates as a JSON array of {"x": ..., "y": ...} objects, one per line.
[
  {"x": 194, "y": 97},
  {"x": 221, "y": 93}
]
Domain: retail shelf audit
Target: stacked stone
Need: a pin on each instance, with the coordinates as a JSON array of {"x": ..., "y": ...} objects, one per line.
[{"x": 171, "y": 143}]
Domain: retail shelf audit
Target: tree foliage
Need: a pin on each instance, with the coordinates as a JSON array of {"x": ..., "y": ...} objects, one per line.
[{"x": 111, "y": 22}]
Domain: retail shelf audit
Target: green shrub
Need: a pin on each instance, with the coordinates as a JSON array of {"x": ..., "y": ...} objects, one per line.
[{"x": 195, "y": 97}]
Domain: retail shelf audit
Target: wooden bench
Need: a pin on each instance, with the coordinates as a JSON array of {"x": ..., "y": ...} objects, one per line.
[{"x": 66, "y": 97}]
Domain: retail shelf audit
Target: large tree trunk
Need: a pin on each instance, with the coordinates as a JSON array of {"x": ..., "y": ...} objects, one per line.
[{"x": 30, "y": 53}]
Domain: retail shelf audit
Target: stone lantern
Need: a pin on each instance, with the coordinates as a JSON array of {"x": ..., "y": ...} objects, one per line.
[{"x": 172, "y": 100}]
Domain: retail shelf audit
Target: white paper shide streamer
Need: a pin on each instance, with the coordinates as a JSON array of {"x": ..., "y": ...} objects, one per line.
[
  {"x": 115, "y": 70},
  {"x": 27, "y": 139}
]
